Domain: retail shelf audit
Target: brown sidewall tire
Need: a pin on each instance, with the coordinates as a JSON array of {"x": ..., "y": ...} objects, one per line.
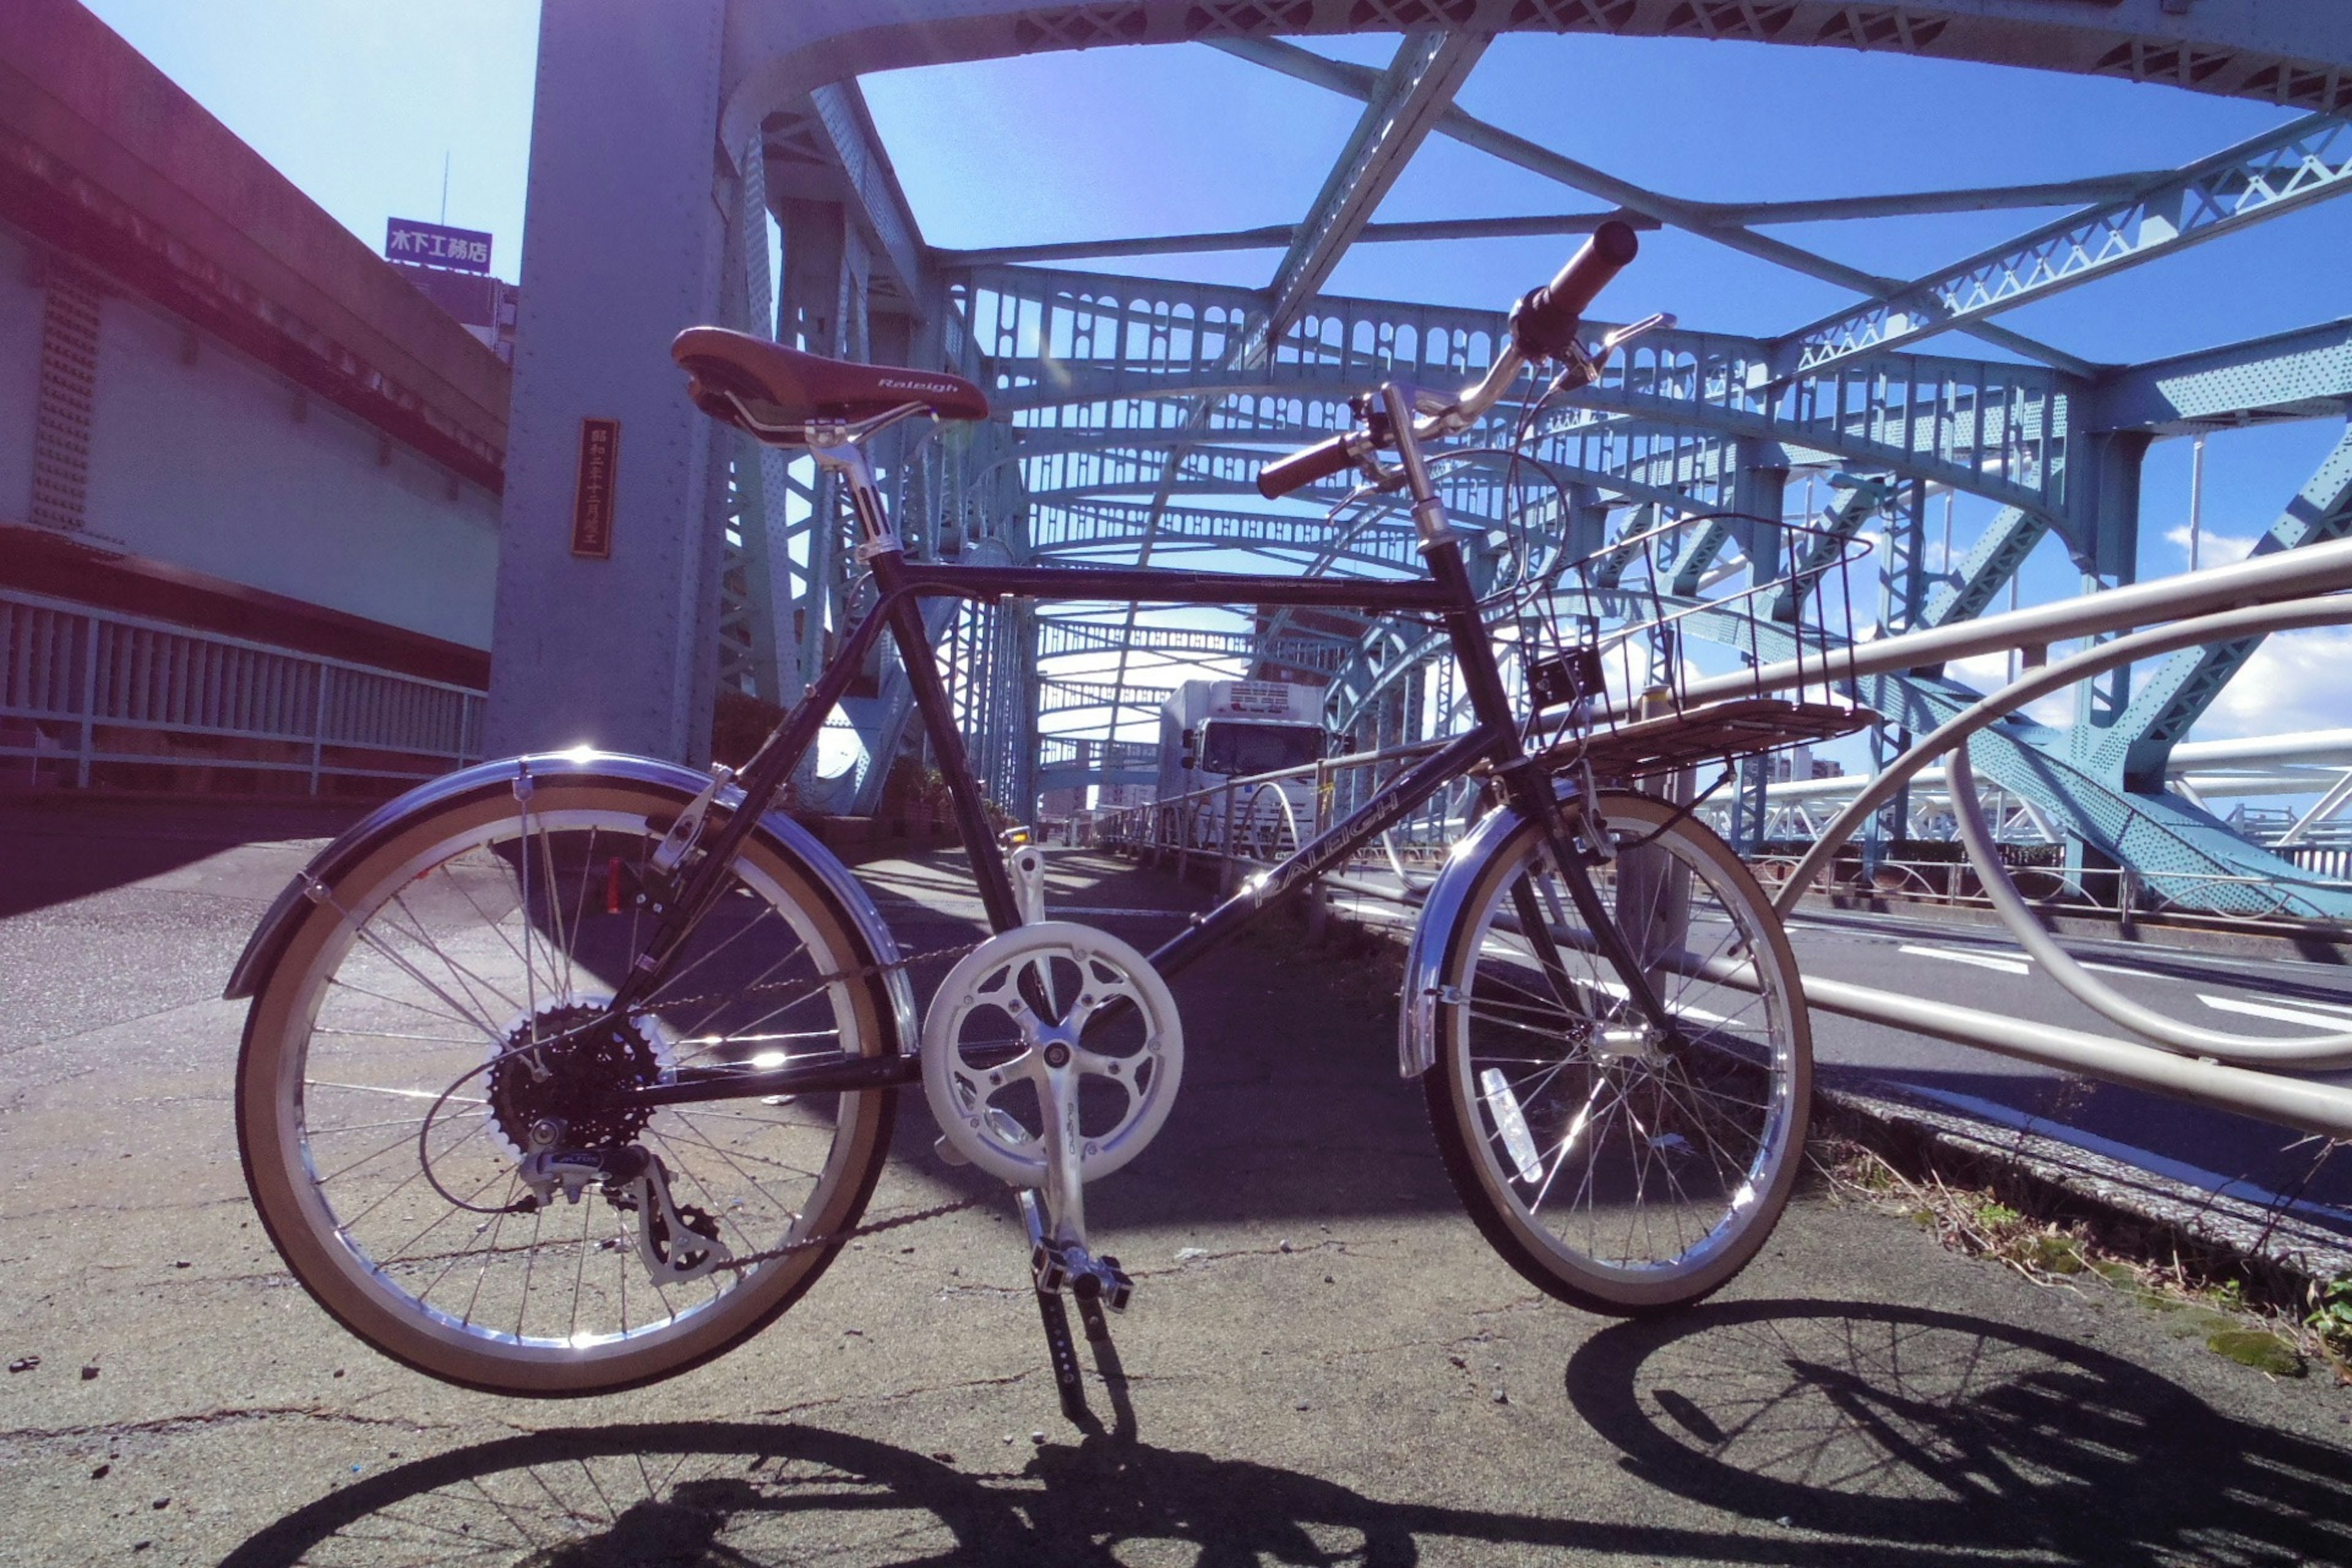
[
  {"x": 1454, "y": 1118},
  {"x": 267, "y": 1095}
]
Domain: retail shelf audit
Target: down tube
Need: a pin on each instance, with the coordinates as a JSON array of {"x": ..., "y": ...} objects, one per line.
[{"x": 1389, "y": 807}]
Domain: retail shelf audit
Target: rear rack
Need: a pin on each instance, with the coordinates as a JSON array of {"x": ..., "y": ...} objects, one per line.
[{"x": 1707, "y": 731}]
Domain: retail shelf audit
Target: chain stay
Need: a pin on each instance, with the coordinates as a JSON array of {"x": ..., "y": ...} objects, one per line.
[{"x": 834, "y": 1238}]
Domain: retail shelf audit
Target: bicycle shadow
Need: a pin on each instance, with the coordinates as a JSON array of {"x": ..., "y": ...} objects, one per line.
[
  {"x": 1863, "y": 1433},
  {"x": 1927, "y": 1429},
  {"x": 720, "y": 1495}
]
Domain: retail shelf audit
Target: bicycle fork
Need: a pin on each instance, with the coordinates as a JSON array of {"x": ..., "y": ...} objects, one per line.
[{"x": 1528, "y": 787}]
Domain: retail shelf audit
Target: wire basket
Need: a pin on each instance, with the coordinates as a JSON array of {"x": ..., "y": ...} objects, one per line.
[{"x": 1609, "y": 646}]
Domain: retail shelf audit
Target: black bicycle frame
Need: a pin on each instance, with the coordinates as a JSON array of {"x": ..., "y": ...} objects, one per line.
[{"x": 1446, "y": 593}]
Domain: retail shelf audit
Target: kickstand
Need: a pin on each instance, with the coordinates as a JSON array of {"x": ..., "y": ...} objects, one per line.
[{"x": 1067, "y": 1379}]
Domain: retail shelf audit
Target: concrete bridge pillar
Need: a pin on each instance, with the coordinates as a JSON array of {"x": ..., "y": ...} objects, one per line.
[{"x": 624, "y": 246}]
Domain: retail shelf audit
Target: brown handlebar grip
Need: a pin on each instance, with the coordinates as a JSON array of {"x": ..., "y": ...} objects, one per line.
[
  {"x": 1304, "y": 467},
  {"x": 1545, "y": 321}
]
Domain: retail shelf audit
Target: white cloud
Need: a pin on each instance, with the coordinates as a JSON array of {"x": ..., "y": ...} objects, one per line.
[
  {"x": 2294, "y": 681},
  {"x": 2212, "y": 549}
]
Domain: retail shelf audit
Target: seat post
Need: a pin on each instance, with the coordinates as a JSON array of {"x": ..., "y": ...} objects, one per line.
[
  {"x": 832, "y": 450},
  {"x": 882, "y": 552}
]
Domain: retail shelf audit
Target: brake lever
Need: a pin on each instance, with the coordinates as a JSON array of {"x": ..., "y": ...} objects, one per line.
[
  {"x": 1632, "y": 330},
  {"x": 1580, "y": 368}
]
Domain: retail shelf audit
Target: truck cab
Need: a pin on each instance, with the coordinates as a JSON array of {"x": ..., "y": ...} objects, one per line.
[{"x": 1213, "y": 731}]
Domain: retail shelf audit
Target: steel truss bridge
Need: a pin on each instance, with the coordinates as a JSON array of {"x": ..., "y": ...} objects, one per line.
[{"x": 1132, "y": 414}]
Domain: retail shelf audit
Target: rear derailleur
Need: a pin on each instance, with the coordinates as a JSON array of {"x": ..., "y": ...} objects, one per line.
[{"x": 676, "y": 1242}]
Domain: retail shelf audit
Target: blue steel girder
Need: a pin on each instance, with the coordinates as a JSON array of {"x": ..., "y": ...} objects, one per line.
[
  {"x": 1751, "y": 521},
  {"x": 1052, "y": 338},
  {"x": 1821, "y": 552},
  {"x": 1068, "y": 347},
  {"x": 1716, "y": 223},
  {"x": 2259, "y": 178},
  {"x": 1418, "y": 86},
  {"x": 2296, "y": 55},
  {"x": 1058, "y": 637},
  {"x": 1069, "y": 475},
  {"x": 2301, "y": 374},
  {"x": 824, "y": 145},
  {"x": 1999, "y": 431},
  {"x": 1057, "y": 695},
  {"x": 1075, "y": 526},
  {"x": 1065, "y": 762},
  {"x": 1694, "y": 462},
  {"x": 1988, "y": 567},
  {"x": 2186, "y": 854},
  {"x": 2137, "y": 746}
]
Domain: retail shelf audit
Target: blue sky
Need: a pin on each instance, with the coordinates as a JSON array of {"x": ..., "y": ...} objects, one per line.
[{"x": 358, "y": 102}]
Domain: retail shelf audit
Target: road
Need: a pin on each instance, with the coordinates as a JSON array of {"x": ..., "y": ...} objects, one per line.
[
  {"x": 1324, "y": 1363},
  {"x": 1980, "y": 967}
]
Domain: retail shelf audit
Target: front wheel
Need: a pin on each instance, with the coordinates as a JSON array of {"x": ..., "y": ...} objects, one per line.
[
  {"x": 1617, "y": 1168},
  {"x": 442, "y": 1005}
]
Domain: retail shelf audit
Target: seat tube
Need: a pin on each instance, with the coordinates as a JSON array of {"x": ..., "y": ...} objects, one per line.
[{"x": 880, "y": 549}]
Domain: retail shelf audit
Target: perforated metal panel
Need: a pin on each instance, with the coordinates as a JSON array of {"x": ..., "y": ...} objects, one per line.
[{"x": 69, "y": 321}]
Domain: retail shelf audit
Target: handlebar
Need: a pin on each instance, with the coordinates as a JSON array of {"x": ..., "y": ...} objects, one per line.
[
  {"x": 1310, "y": 464},
  {"x": 1543, "y": 326},
  {"x": 1544, "y": 321}
]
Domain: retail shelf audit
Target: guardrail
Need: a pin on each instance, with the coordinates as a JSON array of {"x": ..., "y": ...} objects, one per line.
[
  {"x": 89, "y": 697},
  {"x": 1257, "y": 820}
]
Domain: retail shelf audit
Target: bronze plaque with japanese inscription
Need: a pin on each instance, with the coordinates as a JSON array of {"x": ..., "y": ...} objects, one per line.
[{"x": 592, "y": 503}]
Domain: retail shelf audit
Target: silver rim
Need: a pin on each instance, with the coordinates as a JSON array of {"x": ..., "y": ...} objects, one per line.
[
  {"x": 1638, "y": 1172},
  {"x": 405, "y": 1026}
]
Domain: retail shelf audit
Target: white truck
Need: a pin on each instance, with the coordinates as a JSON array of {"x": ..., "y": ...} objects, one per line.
[{"x": 1215, "y": 730}]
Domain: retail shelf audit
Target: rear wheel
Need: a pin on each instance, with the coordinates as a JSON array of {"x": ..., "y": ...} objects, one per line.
[
  {"x": 433, "y": 1009},
  {"x": 1617, "y": 1170}
]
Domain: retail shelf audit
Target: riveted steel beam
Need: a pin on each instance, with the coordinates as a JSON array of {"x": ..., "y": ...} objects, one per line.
[
  {"x": 2301, "y": 375},
  {"x": 2137, "y": 747},
  {"x": 1493, "y": 139},
  {"x": 2258, "y": 179}
]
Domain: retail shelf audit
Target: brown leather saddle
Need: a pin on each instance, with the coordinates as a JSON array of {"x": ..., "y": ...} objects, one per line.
[{"x": 781, "y": 385}]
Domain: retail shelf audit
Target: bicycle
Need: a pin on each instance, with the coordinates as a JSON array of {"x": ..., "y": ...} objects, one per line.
[{"x": 566, "y": 1073}]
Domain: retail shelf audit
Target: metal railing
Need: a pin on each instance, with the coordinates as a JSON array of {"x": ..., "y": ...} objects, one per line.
[
  {"x": 1258, "y": 819},
  {"x": 86, "y": 692}
]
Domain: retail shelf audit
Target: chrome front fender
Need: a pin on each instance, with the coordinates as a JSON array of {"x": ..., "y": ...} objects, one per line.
[
  {"x": 268, "y": 941},
  {"x": 1424, "y": 960}
]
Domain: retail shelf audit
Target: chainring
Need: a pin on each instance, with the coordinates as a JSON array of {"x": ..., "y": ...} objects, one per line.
[{"x": 1054, "y": 984}]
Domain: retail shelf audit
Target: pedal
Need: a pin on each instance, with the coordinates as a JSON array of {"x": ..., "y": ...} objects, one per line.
[{"x": 1059, "y": 1266}]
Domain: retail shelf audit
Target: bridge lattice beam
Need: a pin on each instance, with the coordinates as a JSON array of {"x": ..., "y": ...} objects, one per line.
[
  {"x": 2258, "y": 179},
  {"x": 1670, "y": 210}
]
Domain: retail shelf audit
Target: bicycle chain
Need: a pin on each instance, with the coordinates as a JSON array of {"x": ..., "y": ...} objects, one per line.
[
  {"x": 938, "y": 1211},
  {"x": 812, "y": 984}
]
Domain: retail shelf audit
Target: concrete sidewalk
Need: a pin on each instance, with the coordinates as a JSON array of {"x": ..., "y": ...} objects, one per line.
[{"x": 1324, "y": 1363}]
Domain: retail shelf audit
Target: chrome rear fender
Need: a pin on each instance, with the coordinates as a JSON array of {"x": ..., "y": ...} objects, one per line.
[{"x": 795, "y": 843}]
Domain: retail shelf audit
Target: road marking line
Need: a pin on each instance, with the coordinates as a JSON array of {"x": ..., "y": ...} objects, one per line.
[
  {"x": 1982, "y": 961},
  {"x": 2283, "y": 1014},
  {"x": 2325, "y": 1006}
]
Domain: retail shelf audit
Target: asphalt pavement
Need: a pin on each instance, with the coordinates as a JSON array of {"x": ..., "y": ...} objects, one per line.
[{"x": 1323, "y": 1363}]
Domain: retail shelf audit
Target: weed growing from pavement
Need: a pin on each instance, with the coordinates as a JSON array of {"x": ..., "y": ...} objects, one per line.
[{"x": 2256, "y": 1322}]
